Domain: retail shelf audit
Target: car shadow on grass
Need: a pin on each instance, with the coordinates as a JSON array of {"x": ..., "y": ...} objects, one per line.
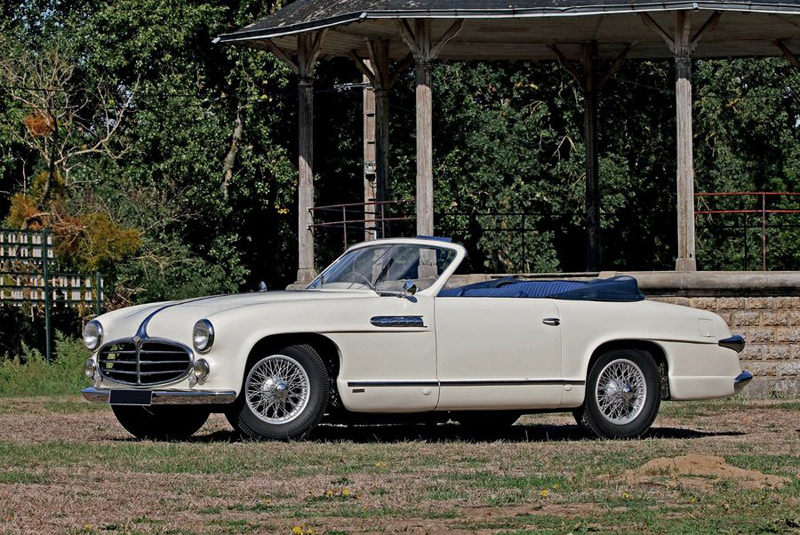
[{"x": 428, "y": 433}]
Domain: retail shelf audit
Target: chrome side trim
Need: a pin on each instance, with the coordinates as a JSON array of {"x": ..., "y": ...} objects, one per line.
[
  {"x": 397, "y": 321},
  {"x": 170, "y": 397},
  {"x": 742, "y": 380},
  {"x": 508, "y": 382},
  {"x": 735, "y": 342}
]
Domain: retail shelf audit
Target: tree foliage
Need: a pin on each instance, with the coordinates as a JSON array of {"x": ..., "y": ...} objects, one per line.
[{"x": 169, "y": 163}]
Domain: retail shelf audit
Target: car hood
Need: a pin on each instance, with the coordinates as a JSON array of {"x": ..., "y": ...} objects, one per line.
[{"x": 161, "y": 318}]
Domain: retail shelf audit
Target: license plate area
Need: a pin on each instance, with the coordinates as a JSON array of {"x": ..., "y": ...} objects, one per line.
[{"x": 130, "y": 397}]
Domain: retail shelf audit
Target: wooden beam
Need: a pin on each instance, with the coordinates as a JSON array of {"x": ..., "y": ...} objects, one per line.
[
  {"x": 400, "y": 68},
  {"x": 590, "y": 95},
  {"x": 787, "y": 53},
  {"x": 616, "y": 65},
  {"x": 362, "y": 67},
  {"x": 316, "y": 47},
  {"x": 686, "y": 260},
  {"x": 654, "y": 26},
  {"x": 308, "y": 47},
  {"x": 424, "y": 111},
  {"x": 567, "y": 64},
  {"x": 408, "y": 37},
  {"x": 281, "y": 55},
  {"x": 707, "y": 26},
  {"x": 370, "y": 164},
  {"x": 451, "y": 32},
  {"x": 378, "y": 78}
]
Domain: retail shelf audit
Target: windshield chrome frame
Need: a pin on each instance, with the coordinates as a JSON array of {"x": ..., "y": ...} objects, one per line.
[{"x": 431, "y": 290}]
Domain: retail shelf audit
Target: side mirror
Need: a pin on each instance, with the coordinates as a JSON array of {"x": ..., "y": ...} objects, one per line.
[
  {"x": 409, "y": 288},
  {"x": 262, "y": 286}
]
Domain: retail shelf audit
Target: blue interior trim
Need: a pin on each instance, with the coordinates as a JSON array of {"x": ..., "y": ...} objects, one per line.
[{"x": 619, "y": 289}]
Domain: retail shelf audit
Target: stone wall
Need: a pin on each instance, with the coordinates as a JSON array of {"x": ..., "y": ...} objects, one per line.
[{"x": 771, "y": 326}]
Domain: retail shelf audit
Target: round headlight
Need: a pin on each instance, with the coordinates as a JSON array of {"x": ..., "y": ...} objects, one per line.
[
  {"x": 93, "y": 335},
  {"x": 203, "y": 336}
]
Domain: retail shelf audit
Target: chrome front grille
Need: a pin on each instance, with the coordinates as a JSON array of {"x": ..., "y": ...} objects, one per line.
[{"x": 148, "y": 363}]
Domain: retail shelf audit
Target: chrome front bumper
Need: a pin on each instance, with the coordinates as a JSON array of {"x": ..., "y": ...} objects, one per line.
[
  {"x": 170, "y": 397},
  {"x": 742, "y": 380}
]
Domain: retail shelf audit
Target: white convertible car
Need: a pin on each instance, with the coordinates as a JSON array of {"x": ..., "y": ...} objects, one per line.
[{"x": 377, "y": 332}]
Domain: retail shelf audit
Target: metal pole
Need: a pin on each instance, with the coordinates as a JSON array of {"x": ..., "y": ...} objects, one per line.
[
  {"x": 45, "y": 273},
  {"x": 524, "y": 259},
  {"x": 344, "y": 226},
  {"x": 746, "y": 248},
  {"x": 98, "y": 297},
  {"x": 383, "y": 220},
  {"x": 764, "y": 231}
]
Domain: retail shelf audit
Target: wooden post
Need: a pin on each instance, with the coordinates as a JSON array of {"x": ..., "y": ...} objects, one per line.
[
  {"x": 685, "y": 177},
  {"x": 380, "y": 62},
  {"x": 424, "y": 109},
  {"x": 308, "y": 49},
  {"x": 370, "y": 193},
  {"x": 419, "y": 42},
  {"x": 379, "y": 74},
  {"x": 591, "y": 83},
  {"x": 590, "y": 90},
  {"x": 682, "y": 45}
]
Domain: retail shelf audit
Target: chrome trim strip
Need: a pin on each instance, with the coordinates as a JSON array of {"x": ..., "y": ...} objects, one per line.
[
  {"x": 397, "y": 321},
  {"x": 509, "y": 382},
  {"x": 735, "y": 342},
  {"x": 170, "y": 397},
  {"x": 358, "y": 384},
  {"x": 512, "y": 382}
]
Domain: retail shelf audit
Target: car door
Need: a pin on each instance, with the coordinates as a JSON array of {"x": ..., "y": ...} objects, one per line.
[
  {"x": 498, "y": 353},
  {"x": 390, "y": 350}
]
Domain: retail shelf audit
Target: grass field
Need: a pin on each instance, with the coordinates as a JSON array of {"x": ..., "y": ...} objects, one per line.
[{"x": 67, "y": 467}]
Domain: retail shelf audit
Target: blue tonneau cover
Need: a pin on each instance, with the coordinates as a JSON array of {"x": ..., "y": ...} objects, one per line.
[{"x": 621, "y": 289}]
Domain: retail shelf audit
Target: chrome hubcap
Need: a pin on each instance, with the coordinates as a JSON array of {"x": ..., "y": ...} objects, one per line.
[
  {"x": 277, "y": 389},
  {"x": 621, "y": 391}
]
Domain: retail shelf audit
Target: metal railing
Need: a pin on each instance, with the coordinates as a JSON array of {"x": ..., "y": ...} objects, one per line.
[
  {"x": 26, "y": 278},
  {"x": 373, "y": 216},
  {"x": 463, "y": 226},
  {"x": 761, "y": 209}
]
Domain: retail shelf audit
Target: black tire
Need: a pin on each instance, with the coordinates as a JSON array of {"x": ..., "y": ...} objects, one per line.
[
  {"x": 486, "y": 421},
  {"x": 161, "y": 422},
  {"x": 595, "y": 421},
  {"x": 256, "y": 426}
]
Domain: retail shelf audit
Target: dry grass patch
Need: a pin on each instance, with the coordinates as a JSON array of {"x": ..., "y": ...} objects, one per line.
[{"x": 76, "y": 471}]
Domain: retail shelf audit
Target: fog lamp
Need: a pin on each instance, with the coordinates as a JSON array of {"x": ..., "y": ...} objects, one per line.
[
  {"x": 90, "y": 368},
  {"x": 201, "y": 369}
]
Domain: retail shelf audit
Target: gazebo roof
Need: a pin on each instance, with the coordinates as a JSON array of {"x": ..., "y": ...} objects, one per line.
[{"x": 524, "y": 29}]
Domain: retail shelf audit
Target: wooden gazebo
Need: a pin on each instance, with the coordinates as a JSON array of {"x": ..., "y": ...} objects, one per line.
[{"x": 384, "y": 37}]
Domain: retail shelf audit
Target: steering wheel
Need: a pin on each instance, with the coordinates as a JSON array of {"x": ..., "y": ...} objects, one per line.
[{"x": 365, "y": 279}]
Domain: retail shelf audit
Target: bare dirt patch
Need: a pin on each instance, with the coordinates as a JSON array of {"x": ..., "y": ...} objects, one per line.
[{"x": 710, "y": 466}]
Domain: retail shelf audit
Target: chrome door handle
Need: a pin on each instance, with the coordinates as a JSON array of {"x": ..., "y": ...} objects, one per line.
[{"x": 552, "y": 321}]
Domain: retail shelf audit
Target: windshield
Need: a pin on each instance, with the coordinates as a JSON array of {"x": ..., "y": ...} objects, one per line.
[{"x": 385, "y": 267}]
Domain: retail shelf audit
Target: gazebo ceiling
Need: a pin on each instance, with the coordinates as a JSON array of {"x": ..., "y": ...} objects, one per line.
[{"x": 524, "y": 29}]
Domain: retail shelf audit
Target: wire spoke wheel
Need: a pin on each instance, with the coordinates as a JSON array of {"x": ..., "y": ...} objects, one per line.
[
  {"x": 277, "y": 389},
  {"x": 621, "y": 391}
]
